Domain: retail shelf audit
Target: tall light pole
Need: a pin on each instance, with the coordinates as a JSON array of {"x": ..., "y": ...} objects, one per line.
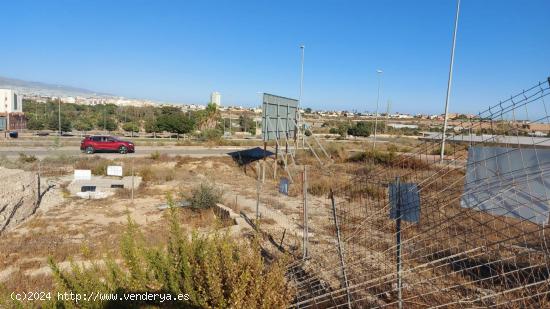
[
  {"x": 59, "y": 114},
  {"x": 379, "y": 74},
  {"x": 449, "y": 82},
  {"x": 7, "y": 128},
  {"x": 302, "y": 48}
]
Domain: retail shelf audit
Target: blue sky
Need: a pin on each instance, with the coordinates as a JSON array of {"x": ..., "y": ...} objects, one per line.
[{"x": 180, "y": 51}]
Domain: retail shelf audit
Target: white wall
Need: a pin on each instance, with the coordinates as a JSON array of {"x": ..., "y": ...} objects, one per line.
[{"x": 7, "y": 97}]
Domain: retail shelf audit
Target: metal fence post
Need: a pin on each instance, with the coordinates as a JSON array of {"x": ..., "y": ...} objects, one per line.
[
  {"x": 340, "y": 251},
  {"x": 398, "y": 242},
  {"x": 133, "y": 184},
  {"x": 258, "y": 192},
  {"x": 306, "y": 231}
]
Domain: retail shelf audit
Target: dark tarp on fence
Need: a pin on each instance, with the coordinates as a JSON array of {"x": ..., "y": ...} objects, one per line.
[{"x": 250, "y": 155}]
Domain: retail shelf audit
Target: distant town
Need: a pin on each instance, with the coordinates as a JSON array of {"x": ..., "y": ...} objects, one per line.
[{"x": 18, "y": 93}]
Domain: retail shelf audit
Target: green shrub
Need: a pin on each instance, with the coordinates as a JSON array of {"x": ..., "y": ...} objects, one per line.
[
  {"x": 23, "y": 158},
  {"x": 336, "y": 151},
  {"x": 146, "y": 173},
  {"x": 392, "y": 148},
  {"x": 96, "y": 164},
  {"x": 211, "y": 135},
  {"x": 205, "y": 196},
  {"x": 215, "y": 271},
  {"x": 437, "y": 151},
  {"x": 389, "y": 159},
  {"x": 155, "y": 155}
]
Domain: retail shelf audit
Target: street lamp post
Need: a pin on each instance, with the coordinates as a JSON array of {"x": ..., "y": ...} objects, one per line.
[
  {"x": 302, "y": 48},
  {"x": 59, "y": 115},
  {"x": 379, "y": 73},
  {"x": 449, "y": 82},
  {"x": 7, "y": 128}
]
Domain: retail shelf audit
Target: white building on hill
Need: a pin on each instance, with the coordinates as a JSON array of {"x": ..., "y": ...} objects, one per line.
[
  {"x": 10, "y": 101},
  {"x": 11, "y": 110},
  {"x": 216, "y": 98}
]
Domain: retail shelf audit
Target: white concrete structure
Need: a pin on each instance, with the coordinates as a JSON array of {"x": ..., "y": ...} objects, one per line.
[
  {"x": 216, "y": 98},
  {"x": 10, "y": 101},
  {"x": 402, "y": 126},
  {"x": 70, "y": 100}
]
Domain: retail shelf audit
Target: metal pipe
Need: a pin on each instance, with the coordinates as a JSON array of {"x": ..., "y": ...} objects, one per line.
[
  {"x": 398, "y": 244},
  {"x": 340, "y": 250},
  {"x": 449, "y": 83},
  {"x": 300, "y": 121},
  {"x": 59, "y": 114}
]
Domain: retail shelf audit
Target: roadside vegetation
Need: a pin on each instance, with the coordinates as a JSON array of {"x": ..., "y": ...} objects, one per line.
[
  {"x": 205, "y": 196},
  {"x": 214, "y": 270},
  {"x": 131, "y": 119}
]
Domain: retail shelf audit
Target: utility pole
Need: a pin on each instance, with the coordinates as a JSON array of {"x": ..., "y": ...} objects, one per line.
[
  {"x": 379, "y": 73},
  {"x": 449, "y": 83}
]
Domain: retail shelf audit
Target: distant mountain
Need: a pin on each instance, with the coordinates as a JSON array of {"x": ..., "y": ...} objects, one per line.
[{"x": 38, "y": 88}]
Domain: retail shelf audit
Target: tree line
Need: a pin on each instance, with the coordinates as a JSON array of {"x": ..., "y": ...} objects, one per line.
[{"x": 150, "y": 119}]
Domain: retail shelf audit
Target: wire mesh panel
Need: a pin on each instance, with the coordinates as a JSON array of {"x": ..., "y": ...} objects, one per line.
[
  {"x": 509, "y": 182},
  {"x": 481, "y": 238}
]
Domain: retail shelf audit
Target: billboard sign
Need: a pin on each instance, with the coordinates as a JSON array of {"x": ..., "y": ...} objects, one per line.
[{"x": 278, "y": 117}]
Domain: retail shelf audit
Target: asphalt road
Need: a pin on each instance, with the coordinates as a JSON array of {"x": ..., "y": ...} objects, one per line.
[{"x": 192, "y": 151}]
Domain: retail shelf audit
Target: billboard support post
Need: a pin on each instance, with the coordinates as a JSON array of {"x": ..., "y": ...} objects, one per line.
[{"x": 263, "y": 165}]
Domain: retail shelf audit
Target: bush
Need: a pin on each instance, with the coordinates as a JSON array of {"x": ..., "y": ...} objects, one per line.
[
  {"x": 155, "y": 155},
  {"x": 146, "y": 173},
  {"x": 23, "y": 158},
  {"x": 437, "y": 151},
  {"x": 336, "y": 151},
  {"x": 211, "y": 135},
  {"x": 377, "y": 157},
  {"x": 392, "y": 148},
  {"x": 389, "y": 159},
  {"x": 205, "y": 196},
  {"x": 96, "y": 164},
  {"x": 130, "y": 127},
  {"x": 214, "y": 271},
  {"x": 361, "y": 128}
]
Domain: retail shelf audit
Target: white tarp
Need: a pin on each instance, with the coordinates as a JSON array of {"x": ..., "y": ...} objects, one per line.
[
  {"x": 114, "y": 170},
  {"x": 82, "y": 174},
  {"x": 510, "y": 182}
]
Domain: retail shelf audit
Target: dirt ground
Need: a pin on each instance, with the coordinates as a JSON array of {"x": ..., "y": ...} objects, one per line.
[{"x": 70, "y": 229}]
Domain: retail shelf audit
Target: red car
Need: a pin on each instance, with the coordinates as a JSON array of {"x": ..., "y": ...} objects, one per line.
[{"x": 103, "y": 143}]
